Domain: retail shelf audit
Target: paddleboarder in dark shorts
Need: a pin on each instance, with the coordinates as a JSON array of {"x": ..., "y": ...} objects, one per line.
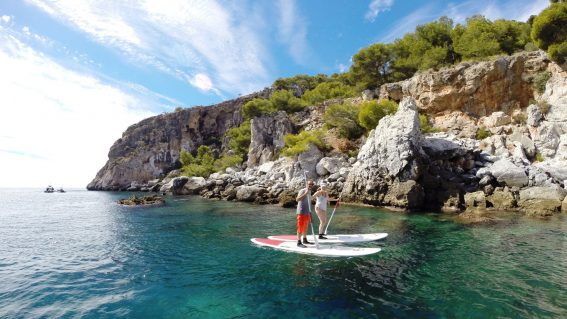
[{"x": 303, "y": 214}]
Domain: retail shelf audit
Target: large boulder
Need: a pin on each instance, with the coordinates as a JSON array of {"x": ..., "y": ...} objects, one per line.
[
  {"x": 389, "y": 158},
  {"x": 446, "y": 146},
  {"x": 330, "y": 165},
  {"x": 175, "y": 185},
  {"x": 308, "y": 160},
  {"x": 495, "y": 119},
  {"x": 508, "y": 173},
  {"x": 502, "y": 199},
  {"x": 249, "y": 193},
  {"x": 194, "y": 185},
  {"x": 541, "y": 201}
]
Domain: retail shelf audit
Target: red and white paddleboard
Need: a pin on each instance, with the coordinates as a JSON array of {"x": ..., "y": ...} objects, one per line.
[
  {"x": 335, "y": 239},
  {"x": 324, "y": 250}
]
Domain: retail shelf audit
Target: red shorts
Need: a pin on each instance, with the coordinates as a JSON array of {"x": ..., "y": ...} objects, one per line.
[{"x": 302, "y": 222}]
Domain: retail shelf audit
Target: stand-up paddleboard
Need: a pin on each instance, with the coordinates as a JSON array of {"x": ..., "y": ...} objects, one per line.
[
  {"x": 335, "y": 239},
  {"x": 326, "y": 250}
]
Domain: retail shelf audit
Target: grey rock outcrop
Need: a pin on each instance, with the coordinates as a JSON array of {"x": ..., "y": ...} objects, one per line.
[
  {"x": 506, "y": 172},
  {"x": 389, "y": 159},
  {"x": 541, "y": 201},
  {"x": 267, "y": 137}
]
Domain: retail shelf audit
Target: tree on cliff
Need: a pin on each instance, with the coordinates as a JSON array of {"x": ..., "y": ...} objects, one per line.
[
  {"x": 370, "y": 65},
  {"x": 549, "y": 31}
]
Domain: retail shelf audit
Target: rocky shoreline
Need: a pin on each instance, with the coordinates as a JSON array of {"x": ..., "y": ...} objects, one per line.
[{"x": 519, "y": 166}]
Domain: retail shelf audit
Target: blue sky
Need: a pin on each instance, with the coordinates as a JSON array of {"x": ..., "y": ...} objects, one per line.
[{"x": 76, "y": 73}]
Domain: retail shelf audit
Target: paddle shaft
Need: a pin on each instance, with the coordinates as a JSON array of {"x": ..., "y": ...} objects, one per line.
[
  {"x": 310, "y": 213},
  {"x": 330, "y": 218}
]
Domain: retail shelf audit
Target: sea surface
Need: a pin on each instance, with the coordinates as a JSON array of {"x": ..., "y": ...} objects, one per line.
[{"x": 80, "y": 255}]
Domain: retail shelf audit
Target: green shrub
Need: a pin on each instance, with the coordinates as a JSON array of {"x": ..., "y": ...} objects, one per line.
[
  {"x": 199, "y": 165},
  {"x": 257, "y": 107},
  {"x": 226, "y": 161},
  {"x": 549, "y": 31},
  {"x": 284, "y": 100},
  {"x": 539, "y": 157},
  {"x": 178, "y": 109},
  {"x": 425, "y": 126},
  {"x": 558, "y": 52},
  {"x": 239, "y": 139},
  {"x": 372, "y": 111},
  {"x": 540, "y": 80},
  {"x": 345, "y": 118},
  {"x": 298, "y": 143},
  {"x": 328, "y": 90},
  {"x": 543, "y": 107},
  {"x": 482, "y": 133}
]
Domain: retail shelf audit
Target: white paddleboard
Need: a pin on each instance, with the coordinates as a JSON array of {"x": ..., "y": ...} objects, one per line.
[
  {"x": 335, "y": 239},
  {"x": 324, "y": 250}
]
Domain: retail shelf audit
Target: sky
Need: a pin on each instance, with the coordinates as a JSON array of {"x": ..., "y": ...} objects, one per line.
[{"x": 74, "y": 74}]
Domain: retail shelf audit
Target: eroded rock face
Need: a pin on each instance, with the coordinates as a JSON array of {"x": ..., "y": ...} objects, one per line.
[
  {"x": 267, "y": 137},
  {"x": 389, "y": 159},
  {"x": 478, "y": 89}
]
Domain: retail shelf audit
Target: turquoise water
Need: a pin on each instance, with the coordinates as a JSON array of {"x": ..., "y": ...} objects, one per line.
[{"x": 79, "y": 254}]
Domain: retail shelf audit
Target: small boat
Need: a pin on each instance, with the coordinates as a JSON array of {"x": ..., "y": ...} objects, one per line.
[
  {"x": 49, "y": 189},
  {"x": 61, "y": 190}
]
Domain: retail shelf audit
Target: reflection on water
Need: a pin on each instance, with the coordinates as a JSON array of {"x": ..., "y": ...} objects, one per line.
[{"x": 79, "y": 254}]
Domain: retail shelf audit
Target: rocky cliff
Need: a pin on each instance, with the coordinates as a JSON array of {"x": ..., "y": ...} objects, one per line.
[
  {"x": 502, "y": 146},
  {"x": 150, "y": 149}
]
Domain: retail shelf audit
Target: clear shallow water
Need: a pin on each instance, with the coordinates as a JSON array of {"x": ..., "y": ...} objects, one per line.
[{"x": 79, "y": 254}]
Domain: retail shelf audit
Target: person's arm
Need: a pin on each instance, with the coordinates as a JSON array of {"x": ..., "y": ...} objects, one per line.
[
  {"x": 317, "y": 193},
  {"x": 302, "y": 193}
]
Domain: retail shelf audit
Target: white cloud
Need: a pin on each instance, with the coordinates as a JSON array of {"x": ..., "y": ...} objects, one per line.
[
  {"x": 26, "y": 30},
  {"x": 519, "y": 10},
  {"x": 293, "y": 31},
  {"x": 56, "y": 125},
  {"x": 5, "y": 18},
  {"x": 202, "y": 81},
  {"x": 182, "y": 38},
  {"x": 377, "y": 6}
]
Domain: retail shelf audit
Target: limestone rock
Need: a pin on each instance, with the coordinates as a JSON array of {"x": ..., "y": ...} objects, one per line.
[
  {"x": 478, "y": 89},
  {"x": 506, "y": 172},
  {"x": 249, "y": 193},
  {"x": 541, "y": 201},
  {"x": 267, "y": 137},
  {"x": 308, "y": 160},
  {"x": 527, "y": 144},
  {"x": 194, "y": 185},
  {"x": 495, "y": 119},
  {"x": 502, "y": 200},
  {"x": 330, "y": 165},
  {"x": 534, "y": 115},
  {"x": 476, "y": 199},
  {"x": 389, "y": 156},
  {"x": 175, "y": 185},
  {"x": 406, "y": 194},
  {"x": 445, "y": 146}
]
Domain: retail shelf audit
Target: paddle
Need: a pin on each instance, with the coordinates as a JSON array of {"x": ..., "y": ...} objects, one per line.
[
  {"x": 310, "y": 213},
  {"x": 329, "y": 222}
]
